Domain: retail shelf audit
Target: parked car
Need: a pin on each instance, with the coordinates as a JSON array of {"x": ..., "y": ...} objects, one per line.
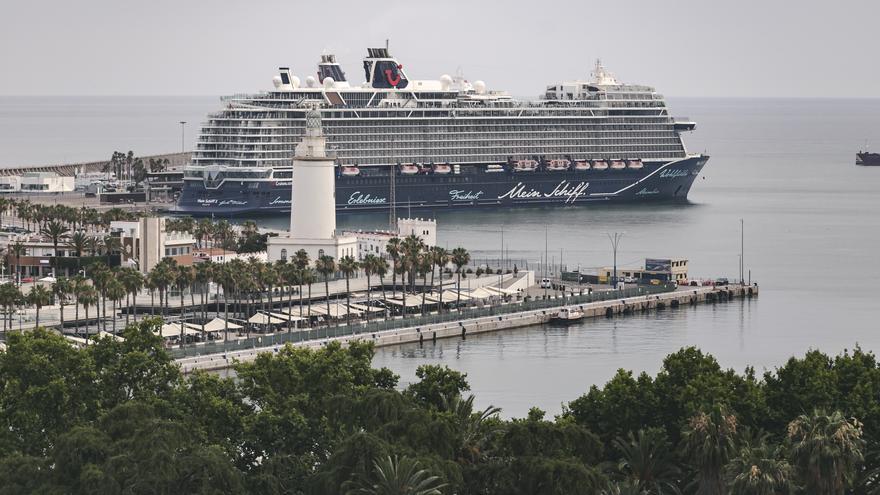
[
  {"x": 545, "y": 283},
  {"x": 721, "y": 281}
]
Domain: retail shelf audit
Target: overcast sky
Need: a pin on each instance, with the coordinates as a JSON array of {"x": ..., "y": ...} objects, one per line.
[{"x": 200, "y": 47}]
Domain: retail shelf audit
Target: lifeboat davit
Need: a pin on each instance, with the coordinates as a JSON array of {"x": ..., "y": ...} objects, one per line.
[
  {"x": 525, "y": 165},
  {"x": 409, "y": 169},
  {"x": 618, "y": 165},
  {"x": 558, "y": 164},
  {"x": 442, "y": 168},
  {"x": 350, "y": 171},
  {"x": 600, "y": 165},
  {"x": 582, "y": 165},
  {"x": 635, "y": 164}
]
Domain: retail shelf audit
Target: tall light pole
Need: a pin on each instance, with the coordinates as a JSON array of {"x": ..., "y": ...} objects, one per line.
[
  {"x": 742, "y": 245},
  {"x": 615, "y": 241},
  {"x": 182, "y": 141}
]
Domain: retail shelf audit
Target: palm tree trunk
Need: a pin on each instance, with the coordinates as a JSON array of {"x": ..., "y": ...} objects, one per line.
[
  {"x": 327, "y": 298},
  {"x": 458, "y": 290},
  {"x": 76, "y": 311},
  {"x": 226, "y": 314},
  {"x": 114, "y": 316},
  {"x": 347, "y": 302},
  {"x": 37, "y": 322},
  {"x": 104, "y": 311},
  {"x": 440, "y": 290},
  {"x": 368, "y": 297},
  {"x": 393, "y": 278},
  {"x": 180, "y": 322},
  {"x": 290, "y": 308},
  {"x": 384, "y": 298},
  {"x": 61, "y": 308}
]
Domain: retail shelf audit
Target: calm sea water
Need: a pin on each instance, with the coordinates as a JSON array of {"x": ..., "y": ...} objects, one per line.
[{"x": 812, "y": 233}]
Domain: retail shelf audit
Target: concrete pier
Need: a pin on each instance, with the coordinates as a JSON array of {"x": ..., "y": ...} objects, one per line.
[{"x": 684, "y": 296}]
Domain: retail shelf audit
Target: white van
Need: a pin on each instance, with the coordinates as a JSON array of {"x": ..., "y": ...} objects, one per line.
[{"x": 545, "y": 283}]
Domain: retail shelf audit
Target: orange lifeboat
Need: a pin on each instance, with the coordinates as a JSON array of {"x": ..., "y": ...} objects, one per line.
[
  {"x": 525, "y": 166},
  {"x": 442, "y": 168},
  {"x": 581, "y": 165},
  {"x": 618, "y": 165},
  {"x": 409, "y": 169},
  {"x": 351, "y": 171},
  {"x": 558, "y": 164},
  {"x": 600, "y": 165},
  {"x": 635, "y": 164}
]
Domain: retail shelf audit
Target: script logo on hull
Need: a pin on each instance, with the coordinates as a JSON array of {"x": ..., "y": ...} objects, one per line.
[
  {"x": 565, "y": 189},
  {"x": 359, "y": 198}
]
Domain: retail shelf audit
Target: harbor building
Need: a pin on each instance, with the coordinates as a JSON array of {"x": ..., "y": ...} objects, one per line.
[
  {"x": 375, "y": 241},
  {"x": 313, "y": 206},
  {"x": 46, "y": 182},
  {"x": 663, "y": 269}
]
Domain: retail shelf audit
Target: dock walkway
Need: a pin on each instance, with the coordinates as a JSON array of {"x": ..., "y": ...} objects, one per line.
[{"x": 462, "y": 328}]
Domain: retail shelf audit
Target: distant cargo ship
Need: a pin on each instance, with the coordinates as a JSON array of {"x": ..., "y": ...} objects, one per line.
[
  {"x": 442, "y": 144},
  {"x": 867, "y": 159}
]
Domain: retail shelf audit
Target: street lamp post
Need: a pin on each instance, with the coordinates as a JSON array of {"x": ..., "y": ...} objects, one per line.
[
  {"x": 182, "y": 133},
  {"x": 615, "y": 241}
]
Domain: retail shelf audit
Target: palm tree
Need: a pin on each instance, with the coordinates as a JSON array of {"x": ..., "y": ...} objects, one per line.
[
  {"x": 133, "y": 282},
  {"x": 101, "y": 275},
  {"x": 348, "y": 266},
  {"x": 460, "y": 258},
  {"x": 115, "y": 292},
  {"x": 440, "y": 257},
  {"x": 369, "y": 265},
  {"x": 88, "y": 297},
  {"x": 18, "y": 250},
  {"x": 79, "y": 286},
  {"x": 78, "y": 242},
  {"x": 224, "y": 278},
  {"x": 393, "y": 250},
  {"x": 709, "y": 440},
  {"x": 396, "y": 476},
  {"x": 203, "y": 275},
  {"x": 301, "y": 262},
  {"x": 424, "y": 264},
  {"x": 10, "y": 297},
  {"x": 39, "y": 297},
  {"x": 758, "y": 469},
  {"x": 183, "y": 279},
  {"x": 326, "y": 266},
  {"x": 203, "y": 231},
  {"x": 381, "y": 268},
  {"x": 647, "y": 461},
  {"x": 55, "y": 230},
  {"x": 291, "y": 276},
  {"x": 111, "y": 244},
  {"x": 307, "y": 277},
  {"x": 61, "y": 289},
  {"x": 826, "y": 448}
]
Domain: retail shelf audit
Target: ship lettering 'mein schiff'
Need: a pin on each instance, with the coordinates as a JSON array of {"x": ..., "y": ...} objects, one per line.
[{"x": 442, "y": 143}]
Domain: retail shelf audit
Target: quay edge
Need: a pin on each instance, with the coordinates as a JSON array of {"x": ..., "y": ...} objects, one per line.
[{"x": 463, "y": 328}]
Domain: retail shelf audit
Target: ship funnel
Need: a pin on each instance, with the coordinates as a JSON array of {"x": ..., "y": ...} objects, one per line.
[
  {"x": 383, "y": 71},
  {"x": 286, "y": 83},
  {"x": 330, "y": 68}
]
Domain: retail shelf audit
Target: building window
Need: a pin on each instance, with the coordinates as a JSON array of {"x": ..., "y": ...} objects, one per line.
[
  {"x": 283, "y": 255},
  {"x": 320, "y": 253}
]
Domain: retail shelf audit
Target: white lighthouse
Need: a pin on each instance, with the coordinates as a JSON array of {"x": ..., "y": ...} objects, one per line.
[{"x": 313, "y": 202}]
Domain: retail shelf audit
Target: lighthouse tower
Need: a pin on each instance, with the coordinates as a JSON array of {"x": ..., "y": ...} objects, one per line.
[{"x": 313, "y": 202}]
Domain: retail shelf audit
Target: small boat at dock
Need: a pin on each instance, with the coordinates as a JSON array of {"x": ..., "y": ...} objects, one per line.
[{"x": 567, "y": 315}]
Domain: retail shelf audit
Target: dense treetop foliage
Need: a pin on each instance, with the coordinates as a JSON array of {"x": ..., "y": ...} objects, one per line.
[{"x": 118, "y": 417}]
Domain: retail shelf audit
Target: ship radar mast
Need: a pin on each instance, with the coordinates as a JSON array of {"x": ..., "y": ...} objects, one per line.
[{"x": 601, "y": 76}]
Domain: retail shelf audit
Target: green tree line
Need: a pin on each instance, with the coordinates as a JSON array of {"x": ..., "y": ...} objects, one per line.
[{"x": 119, "y": 417}]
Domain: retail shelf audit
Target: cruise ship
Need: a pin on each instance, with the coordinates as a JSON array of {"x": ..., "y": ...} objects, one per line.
[{"x": 445, "y": 143}]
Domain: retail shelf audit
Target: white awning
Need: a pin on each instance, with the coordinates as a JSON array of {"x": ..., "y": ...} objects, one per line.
[
  {"x": 410, "y": 301},
  {"x": 364, "y": 307},
  {"x": 215, "y": 325},
  {"x": 173, "y": 330},
  {"x": 264, "y": 319},
  {"x": 285, "y": 317},
  {"x": 502, "y": 291},
  {"x": 452, "y": 296}
]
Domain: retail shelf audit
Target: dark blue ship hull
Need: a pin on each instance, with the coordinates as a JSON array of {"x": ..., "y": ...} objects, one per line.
[{"x": 655, "y": 181}]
